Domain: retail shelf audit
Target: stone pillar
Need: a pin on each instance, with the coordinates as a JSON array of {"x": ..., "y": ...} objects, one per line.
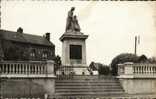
[
  {"x": 50, "y": 67},
  {"x": 29, "y": 71},
  {"x": 2, "y": 68},
  {"x": 13, "y": 68},
  {"x": 6, "y": 68},
  {"x": 35, "y": 71},
  {"x": 10, "y": 68}
]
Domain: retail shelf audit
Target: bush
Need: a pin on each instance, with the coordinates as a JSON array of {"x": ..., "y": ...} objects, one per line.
[{"x": 122, "y": 58}]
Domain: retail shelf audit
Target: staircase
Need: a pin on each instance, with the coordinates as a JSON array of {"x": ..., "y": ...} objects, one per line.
[{"x": 88, "y": 86}]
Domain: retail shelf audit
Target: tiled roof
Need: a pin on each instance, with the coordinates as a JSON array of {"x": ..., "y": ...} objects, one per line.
[{"x": 24, "y": 38}]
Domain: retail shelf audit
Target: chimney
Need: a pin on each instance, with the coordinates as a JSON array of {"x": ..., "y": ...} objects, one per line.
[
  {"x": 20, "y": 30},
  {"x": 47, "y": 36}
]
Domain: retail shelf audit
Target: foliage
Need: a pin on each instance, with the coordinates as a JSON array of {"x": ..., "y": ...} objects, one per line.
[
  {"x": 102, "y": 69},
  {"x": 122, "y": 58},
  {"x": 58, "y": 63},
  {"x": 92, "y": 66}
]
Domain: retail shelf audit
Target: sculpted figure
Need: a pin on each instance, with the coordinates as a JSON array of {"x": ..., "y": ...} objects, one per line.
[
  {"x": 72, "y": 22},
  {"x": 76, "y": 24},
  {"x": 69, "y": 24}
]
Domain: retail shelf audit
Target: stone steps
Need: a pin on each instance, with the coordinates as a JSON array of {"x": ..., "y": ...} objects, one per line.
[
  {"x": 88, "y": 85},
  {"x": 84, "y": 81},
  {"x": 85, "y": 77},
  {"x": 89, "y": 94},
  {"x": 92, "y": 90}
]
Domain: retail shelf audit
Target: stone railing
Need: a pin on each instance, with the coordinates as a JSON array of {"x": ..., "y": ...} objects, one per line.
[
  {"x": 137, "y": 70},
  {"x": 26, "y": 69}
]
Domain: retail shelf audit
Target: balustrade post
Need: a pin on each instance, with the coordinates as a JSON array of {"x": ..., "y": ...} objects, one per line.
[
  {"x": 50, "y": 67},
  {"x": 142, "y": 70},
  {"x": 26, "y": 68},
  {"x": 13, "y": 68},
  {"x": 134, "y": 69},
  {"x": 23, "y": 68},
  {"x": 34, "y": 68},
  {"x": 2, "y": 69},
  {"x": 28, "y": 72},
  {"x": 20, "y": 68},
  {"x": 6, "y": 68},
  {"x": 10, "y": 68},
  {"x": 150, "y": 70},
  {"x": 145, "y": 69},
  {"x": 41, "y": 69}
]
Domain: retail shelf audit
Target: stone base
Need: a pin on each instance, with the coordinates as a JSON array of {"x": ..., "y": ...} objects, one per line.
[{"x": 73, "y": 70}]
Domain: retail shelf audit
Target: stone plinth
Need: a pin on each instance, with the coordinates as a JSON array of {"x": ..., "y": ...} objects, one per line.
[
  {"x": 73, "y": 38},
  {"x": 73, "y": 49}
]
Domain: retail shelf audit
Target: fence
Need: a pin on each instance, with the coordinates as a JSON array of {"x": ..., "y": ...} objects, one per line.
[
  {"x": 137, "y": 70},
  {"x": 26, "y": 68}
]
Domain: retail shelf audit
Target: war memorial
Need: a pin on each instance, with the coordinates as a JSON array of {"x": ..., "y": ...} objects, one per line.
[{"x": 31, "y": 75}]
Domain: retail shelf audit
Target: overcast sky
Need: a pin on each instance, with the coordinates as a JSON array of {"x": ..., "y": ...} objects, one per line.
[{"x": 111, "y": 26}]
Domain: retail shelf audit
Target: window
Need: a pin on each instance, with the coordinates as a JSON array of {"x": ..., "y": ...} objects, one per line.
[
  {"x": 75, "y": 52},
  {"x": 32, "y": 54},
  {"x": 44, "y": 55}
]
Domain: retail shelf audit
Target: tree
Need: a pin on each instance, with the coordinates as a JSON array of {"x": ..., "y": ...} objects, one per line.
[
  {"x": 122, "y": 58},
  {"x": 101, "y": 68},
  {"x": 104, "y": 70},
  {"x": 92, "y": 66},
  {"x": 58, "y": 62}
]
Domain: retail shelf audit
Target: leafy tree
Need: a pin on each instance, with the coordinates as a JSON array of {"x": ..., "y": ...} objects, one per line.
[
  {"x": 122, "y": 58},
  {"x": 58, "y": 62},
  {"x": 92, "y": 66},
  {"x": 102, "y": 69}
]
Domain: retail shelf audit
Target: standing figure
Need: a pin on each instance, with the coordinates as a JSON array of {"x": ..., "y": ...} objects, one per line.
[{"x": 69, "y": 24}]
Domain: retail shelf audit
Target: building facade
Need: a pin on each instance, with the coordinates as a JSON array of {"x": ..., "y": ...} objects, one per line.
[
  {"x": 20, "y": 46},
  {"x": 26, "y": 65}
]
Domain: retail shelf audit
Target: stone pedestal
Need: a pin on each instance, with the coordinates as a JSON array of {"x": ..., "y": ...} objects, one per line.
[{"x": 74, "y": 50}]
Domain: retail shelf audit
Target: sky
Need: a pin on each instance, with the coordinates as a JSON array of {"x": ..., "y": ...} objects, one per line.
[{"x": 111, "y": 25}]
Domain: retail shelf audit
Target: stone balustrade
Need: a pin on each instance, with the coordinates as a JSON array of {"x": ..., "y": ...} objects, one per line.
[
  {"x": 137, "y": 70},
  {"x": 26, "y": 68}
]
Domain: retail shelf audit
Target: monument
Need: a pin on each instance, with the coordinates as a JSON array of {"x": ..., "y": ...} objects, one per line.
[{"x": 73, "y": 46}]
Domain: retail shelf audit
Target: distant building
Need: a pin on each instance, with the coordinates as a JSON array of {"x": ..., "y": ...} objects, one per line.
[{"x": 20, "y": 46}]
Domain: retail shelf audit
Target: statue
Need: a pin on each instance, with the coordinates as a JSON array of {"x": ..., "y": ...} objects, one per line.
[
  {"x": 72, "y": 22},
  {"x": 76, "y": 24}
]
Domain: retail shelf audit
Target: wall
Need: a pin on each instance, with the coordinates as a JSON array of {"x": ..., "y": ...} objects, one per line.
[
  {"x": 27, "y": 87},
  {"x": 139, "y": 86}
]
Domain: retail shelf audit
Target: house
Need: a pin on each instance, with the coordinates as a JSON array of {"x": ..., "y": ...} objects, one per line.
[{"x": 19, "y": 46}]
